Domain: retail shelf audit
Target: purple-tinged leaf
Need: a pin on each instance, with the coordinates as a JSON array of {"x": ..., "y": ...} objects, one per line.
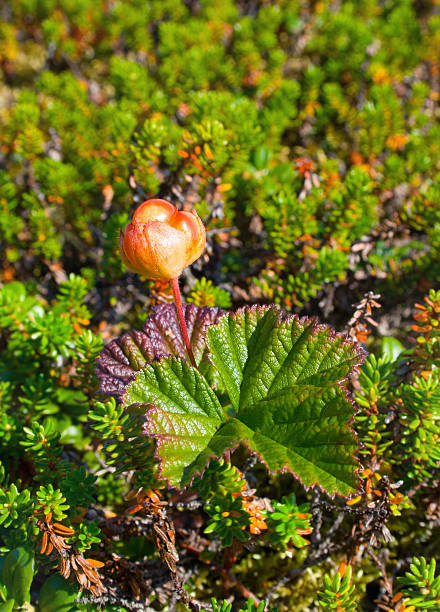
[
  {"x": 285, "y": 377},
  {"x": 161, "y": 337}
]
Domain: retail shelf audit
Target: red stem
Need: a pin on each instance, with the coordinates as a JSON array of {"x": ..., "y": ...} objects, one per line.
[{"x": 178, "y": 300}]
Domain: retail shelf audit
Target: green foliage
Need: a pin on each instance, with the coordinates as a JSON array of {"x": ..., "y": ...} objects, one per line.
[
  {"x": 57, "y": 595},
  {"x": 51, "y": 500},
  {"x": 227, "y": 519},
  {"x": 420, "y": 586},
  {"x": 289, "y": 522},
  {"x": 17, "y": 575},
  {"x": 241, "y": 93},
  {"x": 219, "y": 478},
  {"x": 86, "y": 535},
  {"x": 333, "y": 211},
  {"x": 110, "y": 489},
  {"x": 240, "y": 99},
  {"x": 250, "y": 606},
  {"x": 375, "y": 379},
  {"x": 261, "y": 360},
  {"x": 427, "y": 354},
  {"x": 43, "y": 406},
  {"x": 221, "y": 487},
  {"x": 88, "y": 348},
  {"x": 228, "y": 503},
  {"x": 306, "y": 136},
  {"x": 123, "y": 442},
  {"x": 15, "y": 506},
  {"x": 79, "y": 487},
  {"x": 10, "y": 223},
  {"x": 417, "y": 416},
  {"x": 420, "y": 423},
  {"x": 41, "y": 443},
  {"x": 338, "y": 593},
  {"x": 204, "y": 293},
  {"x": 186, "y": 409}
]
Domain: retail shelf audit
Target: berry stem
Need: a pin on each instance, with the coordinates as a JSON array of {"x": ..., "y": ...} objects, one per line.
[{"x": 178, "y": 301}]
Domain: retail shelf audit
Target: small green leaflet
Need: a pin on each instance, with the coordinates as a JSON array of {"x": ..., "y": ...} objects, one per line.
[{"x": 284, "y": 377}]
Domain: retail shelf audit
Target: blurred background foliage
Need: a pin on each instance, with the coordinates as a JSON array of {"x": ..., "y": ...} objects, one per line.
[{"x": 306, "y": 135}]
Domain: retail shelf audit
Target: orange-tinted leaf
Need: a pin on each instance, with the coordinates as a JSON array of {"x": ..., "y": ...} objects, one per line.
[
  {"x": 224, "y": 187},
  {"x": 95, "y": 563},
  {"x": 63, "y": 530}
]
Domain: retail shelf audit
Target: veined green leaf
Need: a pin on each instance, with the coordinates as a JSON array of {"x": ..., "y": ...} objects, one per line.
[
  {"x": 285, "y": 379},
  {"x": 183, "y": 414}
]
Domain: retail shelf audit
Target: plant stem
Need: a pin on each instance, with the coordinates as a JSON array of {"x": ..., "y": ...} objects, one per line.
[
  {"x": 179, "y": 308},
  {"x": 243, "y": 590}
]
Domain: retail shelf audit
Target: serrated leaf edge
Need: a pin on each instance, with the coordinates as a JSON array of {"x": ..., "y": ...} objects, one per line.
[{"x": 282, "y": 317}]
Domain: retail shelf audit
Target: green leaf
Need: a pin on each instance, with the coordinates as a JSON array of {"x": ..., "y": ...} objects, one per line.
[
  {"x": 18, "y": 573},
  {"x": 391, "y": 348},
  {"x": 7, "y": 606},
  {"x": 286, "y": 388},
  {"x": 285, "y": 379},
  {"x": 234, "y": 339},
  {"x": 183, "y": 413},
  {"x": 57, "y": 595}
]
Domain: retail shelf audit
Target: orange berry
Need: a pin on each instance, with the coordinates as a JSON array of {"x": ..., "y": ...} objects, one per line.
[{"x": 161, "y": 241}]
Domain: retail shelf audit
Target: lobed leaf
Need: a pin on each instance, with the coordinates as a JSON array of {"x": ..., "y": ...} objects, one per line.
[
  {"x": 160, "y": 337},
  {"x": 285, "y": 378}
]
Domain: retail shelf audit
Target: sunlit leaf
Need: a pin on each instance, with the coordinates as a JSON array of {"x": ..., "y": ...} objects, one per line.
[
  {"x": 160, "y": 337},
  {"x": 285, "y": 378}
]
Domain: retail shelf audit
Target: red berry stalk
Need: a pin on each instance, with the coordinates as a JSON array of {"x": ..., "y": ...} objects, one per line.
[{"x": 178, "y": 300}]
